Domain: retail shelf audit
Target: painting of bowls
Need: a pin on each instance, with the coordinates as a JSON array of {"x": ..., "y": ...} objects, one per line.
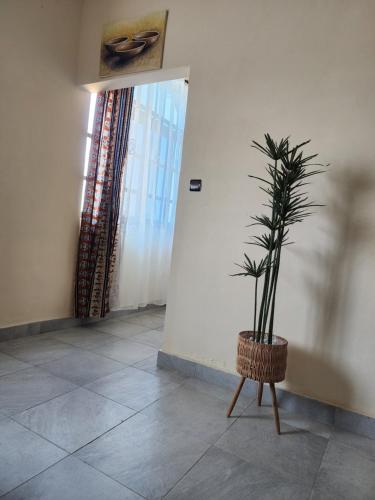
[
  {"x": 112, "y": 43},
  {"x": 149, "y": 37},
  {"x": 133, "y": 46},
  {"x": 127, "y": 50}
]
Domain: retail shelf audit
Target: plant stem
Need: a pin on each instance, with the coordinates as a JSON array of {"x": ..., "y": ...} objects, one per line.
[
  {"x": 262, "y": 319},
  {"x": 268, "y": 287},
  {"x": 275, "y": 277},
  {"x": 255, "y": 304},
  {"x": 275, "y": 273},
  {"x": 263, "y": 313},
  {"x": 270, "y": 327}
]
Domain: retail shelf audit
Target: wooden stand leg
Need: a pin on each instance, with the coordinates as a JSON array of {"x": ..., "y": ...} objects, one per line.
[
  {"x": 260, "y": 393},
  {"x": 235, "y": 397},
  {"x": 275, "y": 408}
]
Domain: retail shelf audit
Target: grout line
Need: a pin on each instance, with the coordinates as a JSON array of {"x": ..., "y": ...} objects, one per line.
[
  {"x": 319, "y": 468},
  {"x": 77, "y": 458},
  {"x": 104, "y": 433},
  {"x": 126, "y": 405},
  {"x": 36, "y": 475},
  {"x": 112, "y": 400},
  {"x": 110, "y": 333},
  {"x": 33, "y": 364},
  {"x": 43, "y": 437},
  {"x": 211, "y": 445},
  {"x": 127, "y": 364},
  {"x": 17, "y": 371},
  {"x": 47, "y": 400},
  {"x": 89, "y": 389},
  {"x": 187, "y": 472},
  {"x": 93, "y": 351},
  {"x": 94, "y": 379},
  {"x": 79, "y": 348},
  {"x": 110, "y": 477},
  {"x": 115, "y": 480},
  {"x": 179, "y": 385},
  {"x": 354, "y": 448}
]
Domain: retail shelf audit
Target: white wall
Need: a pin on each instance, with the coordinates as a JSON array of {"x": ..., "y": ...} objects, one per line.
[
  {"x": 43, "y": 120},
  {"x": 296, "y": 67}
]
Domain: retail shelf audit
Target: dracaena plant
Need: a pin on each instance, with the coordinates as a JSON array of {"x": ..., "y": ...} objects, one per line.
[{"x": 288, "y": 172}]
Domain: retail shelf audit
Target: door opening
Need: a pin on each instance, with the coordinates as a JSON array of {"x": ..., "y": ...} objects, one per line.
[{"x": 149, "y": 194}]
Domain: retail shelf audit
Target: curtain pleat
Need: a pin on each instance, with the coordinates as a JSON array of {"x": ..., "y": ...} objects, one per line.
[{"x": 99, "y": 220}]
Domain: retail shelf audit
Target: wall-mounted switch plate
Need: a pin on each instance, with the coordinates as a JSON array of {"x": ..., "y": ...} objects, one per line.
[{"x": 195, "y": 184}]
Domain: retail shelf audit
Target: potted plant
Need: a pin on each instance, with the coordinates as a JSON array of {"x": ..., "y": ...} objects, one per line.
[{"x": 262, "y": 355}]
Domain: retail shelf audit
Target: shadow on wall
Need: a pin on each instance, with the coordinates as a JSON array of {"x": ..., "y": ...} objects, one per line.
[
  {"x": 319, "y": 368},
  {"x": 351, "y": 228},
  {"x": 347, "y": 212}
]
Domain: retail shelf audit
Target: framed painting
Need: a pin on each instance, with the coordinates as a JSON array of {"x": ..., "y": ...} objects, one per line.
[{"x": 133, "y": 46}]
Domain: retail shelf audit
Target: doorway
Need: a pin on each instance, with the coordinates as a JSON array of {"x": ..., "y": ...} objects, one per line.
[{"x": 149, "y": 195}]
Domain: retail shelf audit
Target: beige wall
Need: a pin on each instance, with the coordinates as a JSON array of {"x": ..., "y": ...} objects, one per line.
[
  {"x": 298, "y": 67},
  {"x": 43, "y": 117}
]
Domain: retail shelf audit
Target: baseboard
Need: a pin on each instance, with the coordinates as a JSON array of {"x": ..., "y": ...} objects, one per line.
[
  {"x": 51, "y": 325},
  {"x": 321, "y": 412}
]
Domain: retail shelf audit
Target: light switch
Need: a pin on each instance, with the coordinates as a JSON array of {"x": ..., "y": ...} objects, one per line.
[{"x": 195, "y": 184}]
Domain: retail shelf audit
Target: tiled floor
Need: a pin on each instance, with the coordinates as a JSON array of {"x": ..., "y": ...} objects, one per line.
[{"x": 85, "y": 414}]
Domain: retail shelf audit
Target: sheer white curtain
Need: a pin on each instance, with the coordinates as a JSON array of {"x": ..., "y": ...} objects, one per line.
[{"x": 149, "y": 194}]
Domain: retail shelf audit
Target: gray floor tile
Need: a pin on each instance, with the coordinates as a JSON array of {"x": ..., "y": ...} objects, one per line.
[
  {"x": 151, "y": 452},
  {"x": 84, "y": 337},
  {"x": 199, "y": 415},
  {"x": 27, "y": 388},
  {"x": 74, "y": 419},
  {"x": 222, "y": 476},
  {"x": 149, "y": 364},
  {"x": 345, "y": 474},
  {"x": 146, "y": 455},
  {"x": 223, "y": 379},
  {"x": 126, "y": 351},
  {"x": 153, "y": 338},
  {"x": 71, "y": 479},
  {"x": 82, "y": 367},
  {"x": 365, "y": 446},
  {"x": 218, "y": 392},
  {"x": 296, "y": 454},
  {"x": 8, "y": 364},
  {"x": 149, "y": 320},
  {"x": 119, "y": 328},
  {"x": 22, "y": 454},
  {"x": 132, "y": 387},
  {"x": 37, "y": 349}
]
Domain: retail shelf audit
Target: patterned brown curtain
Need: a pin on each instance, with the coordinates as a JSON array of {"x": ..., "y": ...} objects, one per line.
[{"x": 99, "y": 221}]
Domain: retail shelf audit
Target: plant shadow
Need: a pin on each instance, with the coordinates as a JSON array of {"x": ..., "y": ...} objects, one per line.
[{"x": 330, "y": 277}]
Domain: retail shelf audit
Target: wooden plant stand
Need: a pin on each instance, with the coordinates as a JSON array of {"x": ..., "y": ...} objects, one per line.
[
  {"x": 259, "y": 400},
  {"x": 263, "y": 363}
]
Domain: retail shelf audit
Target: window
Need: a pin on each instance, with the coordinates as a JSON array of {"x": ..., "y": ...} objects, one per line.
[
  {"x": 88, "y": 144},
  {"x": 154, "y": 153}
]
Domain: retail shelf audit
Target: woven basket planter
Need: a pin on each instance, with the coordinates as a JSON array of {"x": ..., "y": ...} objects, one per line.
[{"x": 261, "y": 362}]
